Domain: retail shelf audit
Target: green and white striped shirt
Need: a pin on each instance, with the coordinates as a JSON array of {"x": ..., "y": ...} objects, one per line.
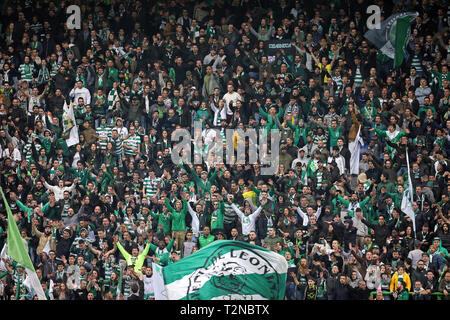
[
  {"x": 358, "y": 77},
  {"x": 229, "y": 214},
  {"x": 113, "y": 96},
  {"x": 416, "y": 63},
  {"x": 104, "y": 132},
  {"x": 127, "y": 221},
  {"x": 26, "y": 72},
  {"x": 118, "y": 145},
  {"x": 151, "y": 186}
]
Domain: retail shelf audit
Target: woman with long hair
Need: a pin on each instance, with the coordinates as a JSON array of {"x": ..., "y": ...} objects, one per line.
[
  {"x": 286, "y": 224},
  {"x": 62, "y": 292}
]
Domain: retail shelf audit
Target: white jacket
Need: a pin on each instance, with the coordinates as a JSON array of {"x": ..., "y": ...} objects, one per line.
[
  {"x": 248, "y": 222},
  {"x": 59, "y": 192},
  {"x": 84, "y": 93}
]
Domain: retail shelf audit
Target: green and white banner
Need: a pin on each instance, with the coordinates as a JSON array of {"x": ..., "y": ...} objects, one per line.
[
  {"x": 70, "y": 127},
  {"x": 18, "y": 252},
  {"x": 407, "y": 200},
  {"x": 227, "y": 270},
  {"x": 393, "y": 36}
]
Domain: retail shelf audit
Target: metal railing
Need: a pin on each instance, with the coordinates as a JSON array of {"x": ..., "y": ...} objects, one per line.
[{"x": 438, "y": 294}]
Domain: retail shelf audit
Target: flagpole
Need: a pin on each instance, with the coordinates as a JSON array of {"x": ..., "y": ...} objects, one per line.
[
  {"x": 18, "y": 287},
  {"x": 119, "y": 285}
]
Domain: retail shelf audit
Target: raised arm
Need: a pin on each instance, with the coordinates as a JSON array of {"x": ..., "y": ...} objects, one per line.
[
  {"x": 318, "y": 212},
  {"x": 122, "y": 250},
  {"x": 364, "y": 202},
  {"x": 263, "y": 113},
  {"x": 52, "y": 188},
  {"x": 185, "y": 207},
  {"x": 238, "y": 211},
  {"x": 257, "y": 212},
  {"x": 170, "y": 245},
  {"x": 146, "y": 249},
  {"x": 192, "y": 213},
  {"x": 213, "y": 176},
  {"x": 169, "y": 207},
  {"x": 345, "y": 202}
]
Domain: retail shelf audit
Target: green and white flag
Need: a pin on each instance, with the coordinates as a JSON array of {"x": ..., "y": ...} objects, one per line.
[
  {"x": 70, "y": 127},
  {"x": 393, "y": 36},
  {"x": 227, "y": 270},
  {"x": 407, "y": 199},
  {"x": 18, "y": 252},
  {"x": 158, "y": 282},
  {"x": 355, "y": 149},
  {"x": 119, "y": 285}
]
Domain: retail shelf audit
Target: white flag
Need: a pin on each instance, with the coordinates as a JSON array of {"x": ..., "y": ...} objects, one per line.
[
  {"x": 70, "y": 125},
  {"x": 158, "y": 282},
  {"x": 3, "y": 255},
  {"x": 407, "y": 200},
  {"x": 355, "y": 148}
]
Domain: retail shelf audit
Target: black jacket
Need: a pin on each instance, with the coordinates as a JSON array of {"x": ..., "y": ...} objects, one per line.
[
  {"x": 63, "y": 245},
  {"x": 261, "y": 224},
  {"x": 381, "y": 232},
  {"x": 360, "y": 294},
  {"x": 342, "y": 292}
]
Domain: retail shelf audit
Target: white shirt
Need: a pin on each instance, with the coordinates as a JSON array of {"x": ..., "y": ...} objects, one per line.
[
  {"x": 59, "y": 192},
  {"x": 223, "y": 114},
  {"x": 340, "y": 162},
  {"x": 248, "y": 222},
  {"x": 15, "y": 154},
  {"x": 148, "y": 285},
  {"x": 195, "y": 221},
  {"x": 231, "y": 97},
  {"x": 122, "y": 131},
  {"x": 77, "y": 93}
]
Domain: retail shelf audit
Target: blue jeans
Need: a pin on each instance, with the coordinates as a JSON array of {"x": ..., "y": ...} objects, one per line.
[
  {"x": 290, "y": 290},
  {"x": 300, "y": 293}
]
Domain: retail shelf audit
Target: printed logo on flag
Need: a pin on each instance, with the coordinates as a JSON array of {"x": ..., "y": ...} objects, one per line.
[{"x": 229, "y": 275}]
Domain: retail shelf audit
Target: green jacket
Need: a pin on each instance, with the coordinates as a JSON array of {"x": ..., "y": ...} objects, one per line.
[
  {"x": 203, "y": 242},
  {"x": 299, "y": 132},
  {"x": 164, "y": 219},
  {"x": 163, "y": 254},
  {"x": 25, "y": 209},
  {"x": 217, "y": 217},
  {"x": 271, "y": 121},
  {"x": 202, "y": 186},
  {"x": 178, "y": 217},
  {"x": 403, "y": 295},
  {"x": 351, "y": 207}
]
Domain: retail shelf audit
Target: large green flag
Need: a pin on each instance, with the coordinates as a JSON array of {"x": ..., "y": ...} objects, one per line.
[
  {"x": 16, "y": 247},
  {"x": 402, "y": 33},
  {"x": 18, "y": 252},
  {"x": 226, "y": 269},
  {"x": 393, "y": 36}
]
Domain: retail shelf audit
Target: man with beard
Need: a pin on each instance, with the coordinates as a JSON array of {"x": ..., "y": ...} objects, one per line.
[{"x": 45, "y": 238}]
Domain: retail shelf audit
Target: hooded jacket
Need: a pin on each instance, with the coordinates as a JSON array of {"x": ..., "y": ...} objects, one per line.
[
  {"x": 350, "y": 232},
  {"x": 394, "y": 281},
  {"x": 381, "y": 232}
]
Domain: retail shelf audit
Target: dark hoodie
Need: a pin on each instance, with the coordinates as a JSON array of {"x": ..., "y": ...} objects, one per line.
[
  {"x": 445, "y": 237},
  {"x": 349, "y": 233}
]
